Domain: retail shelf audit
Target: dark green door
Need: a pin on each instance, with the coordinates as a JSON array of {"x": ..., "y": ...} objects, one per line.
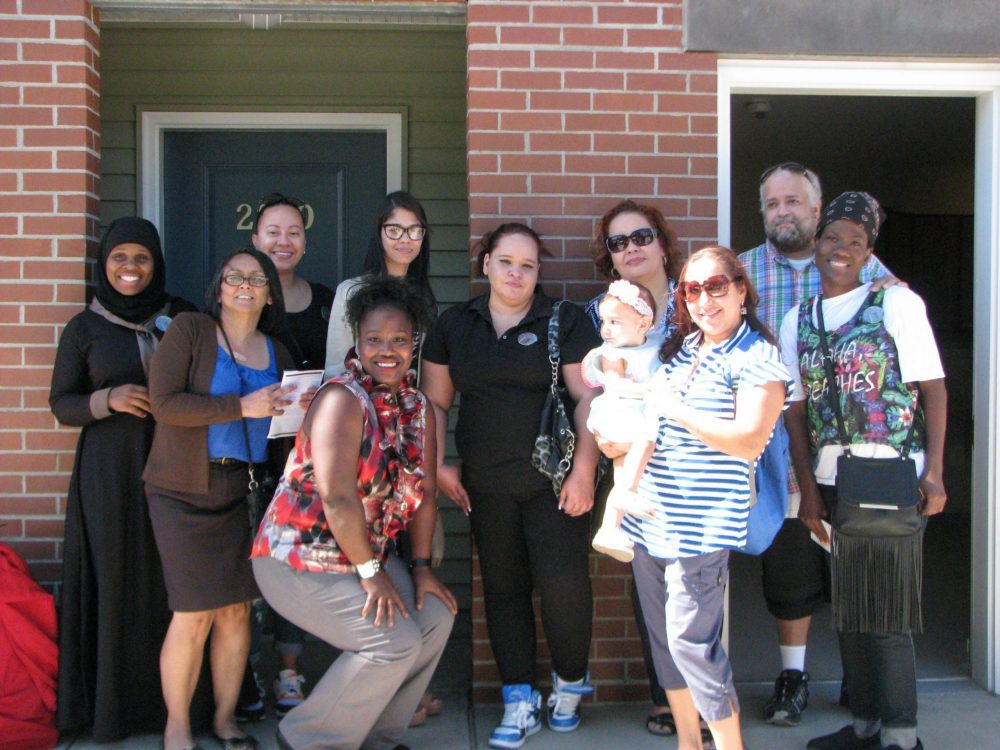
[{"x": 213, "y": 180}]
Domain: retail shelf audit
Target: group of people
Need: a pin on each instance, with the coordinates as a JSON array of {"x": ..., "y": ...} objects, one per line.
[{"x": 682, "y": 397}]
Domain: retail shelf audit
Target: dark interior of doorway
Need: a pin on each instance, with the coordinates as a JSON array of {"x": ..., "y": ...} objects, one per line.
[{"x": 916, "y": 155}]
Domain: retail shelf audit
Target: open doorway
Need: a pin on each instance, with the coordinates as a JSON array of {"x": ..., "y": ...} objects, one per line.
[{"x": 917, "y": 156}]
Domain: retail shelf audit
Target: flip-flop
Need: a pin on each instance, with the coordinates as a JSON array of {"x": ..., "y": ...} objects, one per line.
[
  {"x": 432, "y": 703},
  {"x": 662, "y": 725},
  {"x": 419, "y": 717}
]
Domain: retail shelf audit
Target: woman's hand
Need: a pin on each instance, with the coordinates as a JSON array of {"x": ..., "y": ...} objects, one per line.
[
  {"x": 887, "y": 281},
  {"x": 933, "y": 494},
  {"x": 383, "y": 598},
  {"x": 425, "y": 581},
  {"x": 609, "y": 449},
  {"x": 449, "y": 481},
  {"x": 268, "y": 401},
  {"x": 664, "y": 401},
  {"x": 812, "y": 511},
  {"x": 130, "y": 399},
  {"x": 306, "y": 397},
  {"x": 577, "y": 495}
]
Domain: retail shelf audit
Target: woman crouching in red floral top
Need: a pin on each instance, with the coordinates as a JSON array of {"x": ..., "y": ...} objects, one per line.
[{"x": 322, "y": 556}]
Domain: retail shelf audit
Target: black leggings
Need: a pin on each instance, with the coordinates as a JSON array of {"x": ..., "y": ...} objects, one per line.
[{"x": 525, "y": 542}]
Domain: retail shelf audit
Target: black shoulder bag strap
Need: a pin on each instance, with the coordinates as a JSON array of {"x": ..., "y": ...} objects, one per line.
[{"x": 253, "y": 484}]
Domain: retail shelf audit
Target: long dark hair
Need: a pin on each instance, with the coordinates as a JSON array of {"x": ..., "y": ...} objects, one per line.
[
  {"x": 664, "y": 235},
  {"x": 273, "y": 316},
  {"x": 418, "y": 271},
  {"x": 488, "y": 242},
  {"x": 735, "y": 271}
]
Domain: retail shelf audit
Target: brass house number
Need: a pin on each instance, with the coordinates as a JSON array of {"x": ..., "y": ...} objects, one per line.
[{"x": 245, "y": 213}]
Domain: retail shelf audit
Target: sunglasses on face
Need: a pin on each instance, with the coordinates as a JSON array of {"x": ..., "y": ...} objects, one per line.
[
  {"x": 788, "y": 166},
  {"x": 616, "y": 243},
  {"x": 237, "y": 279},
  {"x": 713, "y": 286},
  {"x": 415, "y": 232}
]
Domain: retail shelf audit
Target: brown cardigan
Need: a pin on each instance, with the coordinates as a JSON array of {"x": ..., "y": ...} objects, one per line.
[{"x": 180, "y": 380}]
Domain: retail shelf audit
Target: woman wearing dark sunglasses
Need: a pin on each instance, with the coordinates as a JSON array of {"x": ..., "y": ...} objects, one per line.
[
  {"x": 719, "y": 394},
  {"x": 400, "y": 246}
]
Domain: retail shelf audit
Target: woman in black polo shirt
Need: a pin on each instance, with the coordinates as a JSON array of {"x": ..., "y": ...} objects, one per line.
[{"x": 492, "y": 350}]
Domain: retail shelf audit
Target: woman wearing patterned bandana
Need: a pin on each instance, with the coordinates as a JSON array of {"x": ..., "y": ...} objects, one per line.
[{"x": 891, "y": 392}]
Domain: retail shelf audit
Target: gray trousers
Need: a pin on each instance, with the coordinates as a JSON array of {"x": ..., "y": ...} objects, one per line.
[
  {"x": 682, "y": 603},
  {"x": 368, "y": 695}
]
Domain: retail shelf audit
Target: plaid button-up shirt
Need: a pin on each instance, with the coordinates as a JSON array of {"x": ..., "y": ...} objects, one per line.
[{"x": 781, "y": 287}]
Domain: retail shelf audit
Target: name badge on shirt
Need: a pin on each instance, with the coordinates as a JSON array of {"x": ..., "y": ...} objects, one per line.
[{"x": 527, "y": 338}]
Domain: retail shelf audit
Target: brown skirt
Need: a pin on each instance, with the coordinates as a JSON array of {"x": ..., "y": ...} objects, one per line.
[{"x": 204, "y": 541}]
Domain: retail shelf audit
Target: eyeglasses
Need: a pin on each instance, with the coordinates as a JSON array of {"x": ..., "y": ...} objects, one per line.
[
  {"x": 415, "y": 232},
  {"x": 713, "y": 286},
  {"x": 640, "y": 238},
  {"x": 788, "y": 166},
  {"x": 237, "y": 279},
  {"x": 278, "y": 199}
]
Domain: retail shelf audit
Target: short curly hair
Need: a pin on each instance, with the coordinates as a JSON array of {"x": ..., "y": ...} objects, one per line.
[{"x": 389, "y": 291}]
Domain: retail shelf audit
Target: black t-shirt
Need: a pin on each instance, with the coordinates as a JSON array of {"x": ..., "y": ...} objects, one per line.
[
  {"x": 305, "y": 331},
  {"x": 503, "y": 384}
]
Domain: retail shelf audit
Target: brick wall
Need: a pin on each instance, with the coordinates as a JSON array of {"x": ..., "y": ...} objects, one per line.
[
  {"x": 573, "y": 106},
  {"x": 49, "y": 166}
]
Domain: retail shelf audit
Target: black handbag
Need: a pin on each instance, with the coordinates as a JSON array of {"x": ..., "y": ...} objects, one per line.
[
  {"x": 556, "y": 441},
  {"x": 876, "y": 497}
]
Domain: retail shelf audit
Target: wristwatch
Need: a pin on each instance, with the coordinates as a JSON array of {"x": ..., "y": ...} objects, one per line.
[
  {"x": 368, "y": 569},
  {"x": 420, "y": 562}
]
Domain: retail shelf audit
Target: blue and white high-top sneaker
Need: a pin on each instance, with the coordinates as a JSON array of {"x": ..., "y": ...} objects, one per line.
[
  {"x": 522, "y": 716},
  {"x": 564, "y": 702}
]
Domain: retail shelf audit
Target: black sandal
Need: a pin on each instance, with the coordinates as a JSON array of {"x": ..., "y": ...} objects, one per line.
[{"x": 662, "y": 725}]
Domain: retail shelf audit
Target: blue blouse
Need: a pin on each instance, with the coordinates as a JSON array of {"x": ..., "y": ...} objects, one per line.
[{"x": 226, "y": 440}]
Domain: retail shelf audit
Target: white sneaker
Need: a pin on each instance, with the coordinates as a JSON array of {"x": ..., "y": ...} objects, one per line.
[
  {"x": 630, "y": 502},
  {"x": 564, "y": 703},
  {"x": 522, "y": 717},
  {"x": 613, "y": 542},
  {"x": 288, "y": 691}
]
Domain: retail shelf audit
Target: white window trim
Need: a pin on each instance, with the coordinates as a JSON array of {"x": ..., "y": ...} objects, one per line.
[
  {"x": 153, "y": 124},
  {"x": 922, "y": 78}
]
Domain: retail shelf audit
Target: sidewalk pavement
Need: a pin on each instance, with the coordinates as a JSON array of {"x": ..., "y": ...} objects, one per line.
[{"x": 954, "y": 715}]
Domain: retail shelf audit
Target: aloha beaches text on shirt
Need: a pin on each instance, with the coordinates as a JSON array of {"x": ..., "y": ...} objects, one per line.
[{"x": 848, "y": 382}]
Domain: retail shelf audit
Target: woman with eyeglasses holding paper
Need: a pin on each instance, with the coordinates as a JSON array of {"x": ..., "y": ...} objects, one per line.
[
  {"x": 719, "y": 395},
  {"x": 213, "y": 387},
  {"x": 399, "y": 246}
]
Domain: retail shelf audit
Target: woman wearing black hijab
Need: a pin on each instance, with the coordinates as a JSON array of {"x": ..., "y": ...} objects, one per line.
[{"x": 114, "y": 608}]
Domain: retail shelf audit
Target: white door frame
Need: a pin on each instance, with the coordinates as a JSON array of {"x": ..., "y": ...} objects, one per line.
[
  {"x": 882, "y": 78},
  {"x": 153, "y": 123}
]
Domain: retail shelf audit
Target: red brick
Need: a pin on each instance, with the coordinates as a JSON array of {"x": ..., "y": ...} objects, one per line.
[
  {"x": 493, "y": 100},
  {"x": 687, "y": 186},
  {"x": 26, "y": 73},
  {"x": 496, "y": 141},
  {"x": 483, "y": 163},
  {"x": 26, "y": 159},
  {"x": 25, "y": 204},
  {"x": 32, "y": 549},
  {"x": 623, "y": 142},
  {"x": 560, "y": 184},
  {"x": 73, "y": 204},
  {"x": 8, "y": 51},
  {"x": 56, "y": 52},
  {"x": 618, "y": 102},
  {"x": 562, "y": 14},
  {"x": 53, "y": 225},
  {"x": 10, "y": 399},
  {"x": 27, "y": 462},
  {"x": 10, "y": 95},
  {"x": 523, "y": 121},
  {"x": 74, "y": 248},
  {"x": 685, "y": 61},
  {"x": 36, "y": 398},
  {"x": 68, "y": 95},
  {"x": 598, "y": 81},
  {"x": 35, "y": 420},
  {"x": 501, "y": 59},
  {"x": 686, "y": 144},
  {"x": 10, "y": 356},
  {"x": 595, "y": 164},
  {"x": 54, "y": 7},
  {"x": 654, "y": 37},
  {"x": 480, "y": 35},
  {"x": 25, "y": 506},
  {"x": 44, "y": 356},
  {"x": 562, "y": 226},
  {"x": 531, "y": 163},
  {"x": 49, "y": 270},
  {"x": 46, "y": 483},
  {"x": 686, "y": 103},
  {"x": 531, "y": 80},
  {"x": 660, "y": 165},
  {"x": 19, "y": 292},
  {"x": 630, "y": 15},
  {"x": 539, "y": 205},
  {"x": 8, "y": 139},
  {"x": 482, "y": 79},
  {"x": 703, "y": 165},
  {"x": 68, "y": 293},
  {"x": 659, "y": 123},
  {"x": 704, "y": 123},
  {"x": 703, "y": 83},
  {"x": 593, "y": 36},
  {"x": 19, "y": 247},
  {"x": 559, "y": 142},
  {"x": 482, "y": 121},
  {"x": 560, "y": 100},
  {"x": 563, "y": 59},
  {"x": 16, "y": 28},
  {"x": 623, "y": 60},
  {"x": 491, "y": 184},
  {"x": 656, "y": 82},
  {"x": 623, "y": 185},
  {"x": 531, "y": 35},
  {"x": 78, "y": 30},
  {"x": 499, "y": 13},
  {"x": 703, "y": 207},
  {"x": 588, "y": 122}
]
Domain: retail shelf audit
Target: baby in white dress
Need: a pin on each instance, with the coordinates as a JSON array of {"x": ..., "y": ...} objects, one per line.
[{"x": 623, "y": 365}]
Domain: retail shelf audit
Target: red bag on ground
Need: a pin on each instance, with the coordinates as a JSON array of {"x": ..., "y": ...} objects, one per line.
[{"x": 28, "y": 658}]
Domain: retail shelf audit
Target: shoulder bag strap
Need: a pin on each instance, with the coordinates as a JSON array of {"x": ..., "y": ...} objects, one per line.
[
  {"x": 553, "y": 344},
  {"x": 243, "y": 420}
]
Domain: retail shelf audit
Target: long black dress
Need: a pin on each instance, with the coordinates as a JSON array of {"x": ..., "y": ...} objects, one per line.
[{"x": 113, "y": 614}]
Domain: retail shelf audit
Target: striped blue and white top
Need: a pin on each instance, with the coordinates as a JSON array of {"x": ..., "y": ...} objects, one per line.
[{"x": 702, "y": 496}]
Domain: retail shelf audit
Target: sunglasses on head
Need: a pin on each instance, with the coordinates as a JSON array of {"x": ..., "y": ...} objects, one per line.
[
  {"x": 640, "y": 238},
  {"x": 713, "y": 286},
  {"x": 278, "y": 199},
  {"x": 788, "y": 166}
]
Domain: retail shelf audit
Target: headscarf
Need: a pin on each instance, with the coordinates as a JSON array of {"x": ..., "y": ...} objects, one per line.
[
  {"x": 860, "y": 208},
  {"x": 140, "y": 307}
]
